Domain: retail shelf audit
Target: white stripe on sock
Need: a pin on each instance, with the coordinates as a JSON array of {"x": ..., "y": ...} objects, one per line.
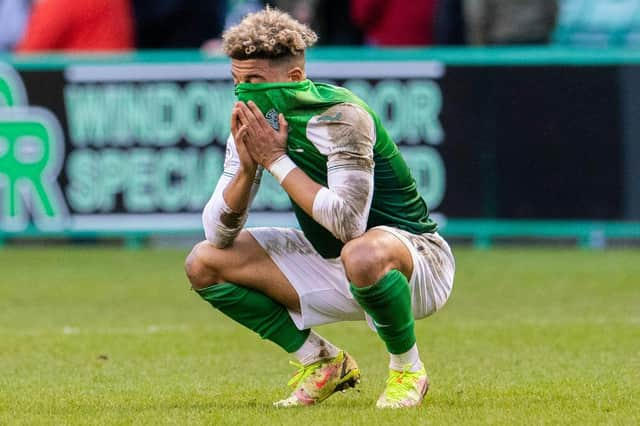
[
  {"x": 314, "y": 349},
  {"x": 411, "y": 358}
]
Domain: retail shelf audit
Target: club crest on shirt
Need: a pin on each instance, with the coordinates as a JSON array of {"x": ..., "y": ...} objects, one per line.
[{"x": 272, "y": 118}]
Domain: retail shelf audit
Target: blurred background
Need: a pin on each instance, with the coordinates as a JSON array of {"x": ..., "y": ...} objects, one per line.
[
  {"x": 519, "y": 118},
  {"x": 100, "y": 25}
]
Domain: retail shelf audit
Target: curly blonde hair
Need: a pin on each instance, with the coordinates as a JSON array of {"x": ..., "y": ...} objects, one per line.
[{"x": 267, "y": 34}]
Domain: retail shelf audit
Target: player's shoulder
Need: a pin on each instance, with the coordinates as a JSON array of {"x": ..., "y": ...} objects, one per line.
[
  {"x": 345, "y": 115},
  {"x": 343, "y": 126},
  {"x": 345, "y": 108},
  {"x": 345, "y": 112}
]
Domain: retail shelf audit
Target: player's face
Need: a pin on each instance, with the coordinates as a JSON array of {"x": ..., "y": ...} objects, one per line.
[{"x": 261, "y": 71}]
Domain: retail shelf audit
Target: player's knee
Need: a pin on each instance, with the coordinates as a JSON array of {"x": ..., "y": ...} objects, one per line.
[
  {"x": 363, "y": 262},
  {"x": 199, "y": 268}
]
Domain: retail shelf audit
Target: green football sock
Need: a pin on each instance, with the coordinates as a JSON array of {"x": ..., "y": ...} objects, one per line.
[
  {"x": 388, "y": 302},
  {"x": 257, "y": 312}
]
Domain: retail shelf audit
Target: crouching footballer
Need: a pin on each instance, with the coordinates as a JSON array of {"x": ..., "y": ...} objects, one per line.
[{"x": 366, "y": 248}]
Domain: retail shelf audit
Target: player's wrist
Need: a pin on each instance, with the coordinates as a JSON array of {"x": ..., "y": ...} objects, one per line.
[{"x": 281, "y": 167}]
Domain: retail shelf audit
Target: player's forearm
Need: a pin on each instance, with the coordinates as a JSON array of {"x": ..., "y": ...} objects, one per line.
[
  {"x": 302, "y": 189},
  {"x": 342, "y": 208},
  {"x": 238, "y": 191},
  {"x": 226, "y": 212}
]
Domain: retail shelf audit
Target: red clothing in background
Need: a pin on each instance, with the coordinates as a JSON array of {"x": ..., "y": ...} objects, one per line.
[
  {"x": 395, "y": 23},
  {"x": 79, "y": 25}
]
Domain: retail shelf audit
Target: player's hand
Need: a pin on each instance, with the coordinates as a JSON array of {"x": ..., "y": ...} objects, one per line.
[
  {"x": 263, "y": 142},
  {"x": 246, "y": 162}
]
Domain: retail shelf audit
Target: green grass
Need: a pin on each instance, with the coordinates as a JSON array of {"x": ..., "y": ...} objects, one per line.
[{"x": 108, "y": 336}]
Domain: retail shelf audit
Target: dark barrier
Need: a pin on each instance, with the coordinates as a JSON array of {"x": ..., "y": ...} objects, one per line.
[{"x": 134, "y": 145}]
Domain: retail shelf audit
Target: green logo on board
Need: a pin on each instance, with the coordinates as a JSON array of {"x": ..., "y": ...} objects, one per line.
[
  {"x": 11, "y": 88},
  {"x": 31, "y": 155}
]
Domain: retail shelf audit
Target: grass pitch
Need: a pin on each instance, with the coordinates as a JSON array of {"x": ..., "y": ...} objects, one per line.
[{"x": 108, "y": 336}]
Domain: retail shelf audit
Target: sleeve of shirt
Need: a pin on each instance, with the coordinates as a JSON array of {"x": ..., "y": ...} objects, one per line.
[
  {"x": 221, "y": 224},
  {"x": 346, "y": 135}
]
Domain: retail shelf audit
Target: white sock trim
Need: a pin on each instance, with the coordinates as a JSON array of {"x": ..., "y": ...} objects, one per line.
[
  {"x": 314, "y": 349},
  {"x": 411, "y": 358}
]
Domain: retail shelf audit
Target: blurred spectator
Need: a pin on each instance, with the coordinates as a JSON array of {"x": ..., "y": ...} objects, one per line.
[
  {"x": 231, "y": 13},
  {"x": 238, "y": 9},
  {"x": 510, "y": 21},
  {"x": 74, "y": 25},
  {"x": 449, "y": 23},
  {"x": 302, "y": 10},
  {"x": 13, "y": 19},
  {"x": 334, "y": 24},
  {"x": 177, "y": 24},
  {"x": 599, "y": 23},
  {"x": 395, "y": 23},
  {"x": 330, "y": 19}
]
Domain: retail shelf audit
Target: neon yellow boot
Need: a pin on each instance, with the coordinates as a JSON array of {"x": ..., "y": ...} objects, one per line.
[
  {"x": 404, "y": 389},
  {"x": 318, "y": 381}
]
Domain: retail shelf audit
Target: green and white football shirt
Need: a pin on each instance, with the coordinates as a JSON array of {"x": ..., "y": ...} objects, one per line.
[{"x": 340, "y": 143}]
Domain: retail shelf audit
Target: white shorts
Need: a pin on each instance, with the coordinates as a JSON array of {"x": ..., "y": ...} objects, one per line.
[{"x": 322, "y": 284}]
